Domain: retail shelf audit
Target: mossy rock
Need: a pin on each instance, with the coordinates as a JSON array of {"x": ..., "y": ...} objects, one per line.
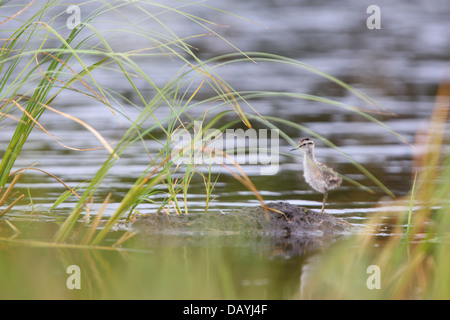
[{"x": 293, "y": 221}]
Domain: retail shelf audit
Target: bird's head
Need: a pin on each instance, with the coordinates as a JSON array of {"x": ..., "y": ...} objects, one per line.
[{"x": 306, "y": 144}]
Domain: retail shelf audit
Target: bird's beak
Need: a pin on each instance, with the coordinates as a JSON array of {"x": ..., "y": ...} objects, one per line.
[{"x": 294, "y": 149}]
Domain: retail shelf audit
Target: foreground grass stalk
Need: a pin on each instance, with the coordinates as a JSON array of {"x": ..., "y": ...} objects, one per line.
[
  {"x": 411, "y": 205},
  {"x": 412, "y": 267},
  {"x": 40, "y": 96}
]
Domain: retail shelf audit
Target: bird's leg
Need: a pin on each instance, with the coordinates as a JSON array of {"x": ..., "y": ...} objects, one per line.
[{"x": 325, "y": 196}]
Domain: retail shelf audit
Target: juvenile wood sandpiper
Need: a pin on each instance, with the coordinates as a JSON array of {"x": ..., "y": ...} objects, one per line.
[{"x": 320, "y": 177}]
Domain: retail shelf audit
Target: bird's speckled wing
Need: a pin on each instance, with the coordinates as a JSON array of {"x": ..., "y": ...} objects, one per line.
[{"x": 332, "y": 179}]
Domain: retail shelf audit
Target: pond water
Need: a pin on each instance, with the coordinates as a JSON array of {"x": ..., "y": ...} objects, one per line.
[{"x": 400, "y": 65}]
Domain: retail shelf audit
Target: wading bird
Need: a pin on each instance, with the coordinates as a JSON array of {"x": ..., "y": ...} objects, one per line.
[{"x": 320, "y": 177}]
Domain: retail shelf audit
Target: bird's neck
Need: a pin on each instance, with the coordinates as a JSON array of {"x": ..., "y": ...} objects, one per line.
[{"x": 309, "y": 155}]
